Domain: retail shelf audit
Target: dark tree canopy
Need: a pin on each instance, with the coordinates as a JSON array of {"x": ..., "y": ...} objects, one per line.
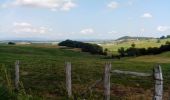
[
  {"x": 11, "y": 43},
  {"x": 133, "y": 45},
  {"x": 132, "y": 51},
  {"x": 121, "y": 51},
  {"x": 86, "y": 47}
]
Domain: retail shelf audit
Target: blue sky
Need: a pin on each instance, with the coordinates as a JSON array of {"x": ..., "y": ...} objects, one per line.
[{"x": 83, "y": 19}]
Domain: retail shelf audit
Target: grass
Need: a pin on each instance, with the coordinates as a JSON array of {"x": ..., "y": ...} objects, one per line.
[
  {"x": 43, "y": 75},
  {"x": 113, "y": 47}
]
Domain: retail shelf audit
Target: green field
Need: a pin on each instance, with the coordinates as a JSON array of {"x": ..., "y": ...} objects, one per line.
[
  {"x": 43, "y": 75},
  {"x": 113, "y": 47}
]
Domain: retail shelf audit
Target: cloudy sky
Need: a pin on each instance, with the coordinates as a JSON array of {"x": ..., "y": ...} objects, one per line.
[{"x": 83, "y": 19}]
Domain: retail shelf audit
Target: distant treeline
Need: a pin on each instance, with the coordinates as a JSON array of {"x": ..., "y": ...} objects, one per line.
[
  {"x": 165, "y": 37},
  {"x": 132, "y": 51},
  {"x": 85, "y": 47}
]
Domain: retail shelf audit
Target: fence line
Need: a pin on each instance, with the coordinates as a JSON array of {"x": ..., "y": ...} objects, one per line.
[
  {"x": 107, "y": 71},
  {"x": 158, "y": 93},
  {"x": 157, "y": 73},
  {"x": 17, "y": 75},
  {"x": 68, "y": 79}
]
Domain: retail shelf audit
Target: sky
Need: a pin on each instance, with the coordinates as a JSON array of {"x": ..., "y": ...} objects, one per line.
[{"x": 83, "y": 19}]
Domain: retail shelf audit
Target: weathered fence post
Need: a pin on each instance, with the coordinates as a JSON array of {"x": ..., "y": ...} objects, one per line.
[
  {"x": 17, "y": 75},
  {"x": 107, "y": 71},
  {"x": 158, "y": 93},
  {"x": 68, "y": 78}
]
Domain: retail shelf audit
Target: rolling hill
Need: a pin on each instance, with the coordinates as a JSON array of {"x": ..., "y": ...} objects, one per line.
[
  {"x": 143, "y": 43},
  {"x": 133, "y": 38}
]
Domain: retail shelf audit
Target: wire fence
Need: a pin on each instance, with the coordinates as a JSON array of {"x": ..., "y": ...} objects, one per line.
[{"x": 105, "y": 80}]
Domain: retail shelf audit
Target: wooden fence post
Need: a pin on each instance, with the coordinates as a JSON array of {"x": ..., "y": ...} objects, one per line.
[
  {"x": 158, "y": 93},
  {"x": 17, "y": 75},
  {"x": 68, "y": 78},
  {"x": 107, "y": 72}
]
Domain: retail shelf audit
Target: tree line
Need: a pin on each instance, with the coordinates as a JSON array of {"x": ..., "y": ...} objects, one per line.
[
  {"x": 132, "y": 51},
  {"x": 85, "y": 47},
  {"x": 164, "y": 37}
]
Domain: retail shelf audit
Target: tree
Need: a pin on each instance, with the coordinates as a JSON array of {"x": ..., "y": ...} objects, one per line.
[
  {"x": 105, "y": 51},
  {"x": 162, "y": 37},
  {"x": 132, "y": 51},
  {"x": 168, "y": 36},
  {"x": 133, "y": 45},
  {"x": 167, "y": 42},
  {"x": 121, "y": 51},
  {"x": 142, "y": 51},
  {"x": 85, "y": 47},
  {"x": 11, "y": 43}
]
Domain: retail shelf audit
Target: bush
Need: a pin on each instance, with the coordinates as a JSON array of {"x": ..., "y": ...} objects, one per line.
[
  {"x": 167, "y": 42},
  {"x": 105, "y": 52},
  {"x": 121, "y": 51},
  {"x": 142, "y": 51},
  {"x": 133, "y": 45},
  {"x": 132, "y": 51},
  {"x": 153, "y": 50},
  {"x": 86, "y": 47},
  {"x": 11, "y": 43}
]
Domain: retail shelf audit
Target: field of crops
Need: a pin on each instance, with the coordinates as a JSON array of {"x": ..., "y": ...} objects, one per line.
[{"x": 42, "y": 72}]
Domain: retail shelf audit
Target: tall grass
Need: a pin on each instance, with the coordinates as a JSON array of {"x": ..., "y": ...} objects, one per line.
[{"x": 7, "y": 90}]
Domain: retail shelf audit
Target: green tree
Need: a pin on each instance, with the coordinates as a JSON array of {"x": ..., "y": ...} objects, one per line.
[
  {"x": 133, "y": 45},
  {"x": 167, "y": 42},
  {"x": 162, "y": 37},
  {"x": 11, "y": 43},
  {"x": 121, "y": 51},
  {"x": 105, "y": 51}
]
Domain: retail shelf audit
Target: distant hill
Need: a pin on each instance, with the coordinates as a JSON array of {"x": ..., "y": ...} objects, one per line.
[{"x": 134, "y": 38}]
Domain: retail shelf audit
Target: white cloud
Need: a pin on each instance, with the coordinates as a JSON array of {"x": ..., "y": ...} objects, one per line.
[
  {"x": 24, "y": 27},
  {"x": 87, "y": 31},
  {"x": 67, "y": 6},
  {"x": 147, "y": 15},
  {"x": 112, "y": 32},
  {"x": 163, "y": 28},
  {"x": 21, "y": 24},
  {"x": 48, "y": 4},
  {"x": 113, "y": 5}
]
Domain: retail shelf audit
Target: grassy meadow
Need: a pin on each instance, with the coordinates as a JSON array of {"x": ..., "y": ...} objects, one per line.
[
  {"x": 42, "y": 72},
  {"x": 144, "y": 43}
]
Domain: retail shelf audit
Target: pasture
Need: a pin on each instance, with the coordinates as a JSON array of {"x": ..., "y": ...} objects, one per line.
[
  {"x": 145, "y": 43},
  {"x": 42, "y": 72}
]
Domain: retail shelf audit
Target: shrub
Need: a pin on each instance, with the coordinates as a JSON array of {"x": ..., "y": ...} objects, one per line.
[
  {"x": 86, "y": 47},
  {"x": 121, "y": 51},
  {"x": 133, "y": 45},
  {"x": 167, "y": 42},
  {"x": 142, "y": 51},
  {"x": 11, "y": 43}
]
